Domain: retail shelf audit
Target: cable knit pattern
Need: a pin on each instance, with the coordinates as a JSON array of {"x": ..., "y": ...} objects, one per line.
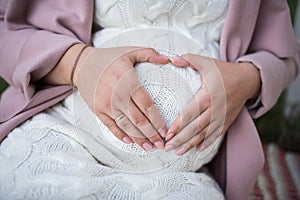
[
  {"x": 67, "y": 153},
  {"x": 199, "y": 20}
]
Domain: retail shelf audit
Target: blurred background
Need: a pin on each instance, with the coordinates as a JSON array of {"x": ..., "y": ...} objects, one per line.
[{"x": 282, "y": 124}]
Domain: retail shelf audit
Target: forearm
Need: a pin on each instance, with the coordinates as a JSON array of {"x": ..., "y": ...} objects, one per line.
[
  {"x": 27, "y": 55},
  {"x": 32, "y": 48},
  {"x": 25, "y": 58}
]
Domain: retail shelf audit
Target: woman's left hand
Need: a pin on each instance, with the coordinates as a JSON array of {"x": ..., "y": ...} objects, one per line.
[{"x": 225, "y": 89}]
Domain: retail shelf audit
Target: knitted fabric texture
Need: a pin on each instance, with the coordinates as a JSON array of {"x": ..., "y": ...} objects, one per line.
[{"x": 65, "y": 152}]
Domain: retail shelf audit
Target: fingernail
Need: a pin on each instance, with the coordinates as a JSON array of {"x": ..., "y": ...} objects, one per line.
[
  {"x": 202, "y": 147},
  {"x": 162, "y": 131},
  {"x": 169, "y": 136},
  {"x": 159, "y": 144},
  {"x": 169, "y": 147},
  {"x": 178, "y": 60},
  {"x": 180, "y": 151},
  {"x": 147, "y": 146},
  {"x": 126, "y": 139}
]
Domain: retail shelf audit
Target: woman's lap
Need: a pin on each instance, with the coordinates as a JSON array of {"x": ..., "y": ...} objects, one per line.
[{"x": 44, "y": 158}]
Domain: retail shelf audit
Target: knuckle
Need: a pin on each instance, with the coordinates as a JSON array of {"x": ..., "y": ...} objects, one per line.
[
  {"x": 203, "y": 135},
  {"x": 125, "y": 125},
  {"x": 99, "y": 111},
  {"x": 137, "y": 92},
  {"x": 196, "y": 140},
  {"x": 158, "y": 124},
  {"x": 199, "y": 126},
  {"x": 140, "y": 121},
  {"x": 150, "y": 51},
  {"x": 105, "y": 108},
  {"x": 149, "y": 132},
  {"x": 118, "y": 133},
  {"x": 139, "y": 141},
  {"x": 207, "y": 100},
  {"x": 177, "y": 124},
  {"x": 195, "y": 129},
  {"x": 193, "y": 143},
  {"x": 154, "y": 137},
  {"x": 147, "y": 107},
  {"x": 109, "y": 125},
  {"x": 176, "y": 141},
  {"x": 186, "y": 118}
]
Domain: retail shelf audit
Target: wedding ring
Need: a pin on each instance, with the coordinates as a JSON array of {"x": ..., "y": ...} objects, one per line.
[{"x": 119, "y": 117}]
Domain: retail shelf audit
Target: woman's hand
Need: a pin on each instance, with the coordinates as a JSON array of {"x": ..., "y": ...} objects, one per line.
[
  {"x": 107, "y": 81},
  {"x": 225, "y": 89}
]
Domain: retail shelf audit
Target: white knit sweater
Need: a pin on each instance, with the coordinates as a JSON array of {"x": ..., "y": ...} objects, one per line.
[{"x": 67, "y": 153}]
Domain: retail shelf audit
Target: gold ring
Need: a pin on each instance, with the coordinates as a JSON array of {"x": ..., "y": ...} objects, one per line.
[{"x": 120, "y": 117}]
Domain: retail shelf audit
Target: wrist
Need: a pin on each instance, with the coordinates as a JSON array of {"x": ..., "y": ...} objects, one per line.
[
  {"x": 77, "y": 63},
  {"x": 61, "y": 73},
  {"x": 252, "y": 80}
]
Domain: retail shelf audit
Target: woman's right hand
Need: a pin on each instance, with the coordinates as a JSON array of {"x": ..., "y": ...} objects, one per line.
[{"x": 106, "y": 80}]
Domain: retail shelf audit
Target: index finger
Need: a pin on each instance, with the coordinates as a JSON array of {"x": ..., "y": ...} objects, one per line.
[
  {"x": 192, "y": 110},
  {"x": 147, "y": 55},
  {"x": 145, "y": 103}
]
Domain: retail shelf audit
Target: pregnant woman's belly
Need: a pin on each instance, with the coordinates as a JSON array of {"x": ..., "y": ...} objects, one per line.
[{"x": 170, "y": 87}]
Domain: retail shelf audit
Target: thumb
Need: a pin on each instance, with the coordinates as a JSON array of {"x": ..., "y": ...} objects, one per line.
[
  {"x": 186, "y": 60},
  {"x": 147, "y": 55},
  {"x": 197, "y": 62}
]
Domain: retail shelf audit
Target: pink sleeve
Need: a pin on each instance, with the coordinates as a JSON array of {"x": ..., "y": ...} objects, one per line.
[
  {"x": 273, "y": 49},
  {"x": 34, "y": 35},
  {"x": 276, "y": 74},
  {"x": 258, "y": 31}
]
